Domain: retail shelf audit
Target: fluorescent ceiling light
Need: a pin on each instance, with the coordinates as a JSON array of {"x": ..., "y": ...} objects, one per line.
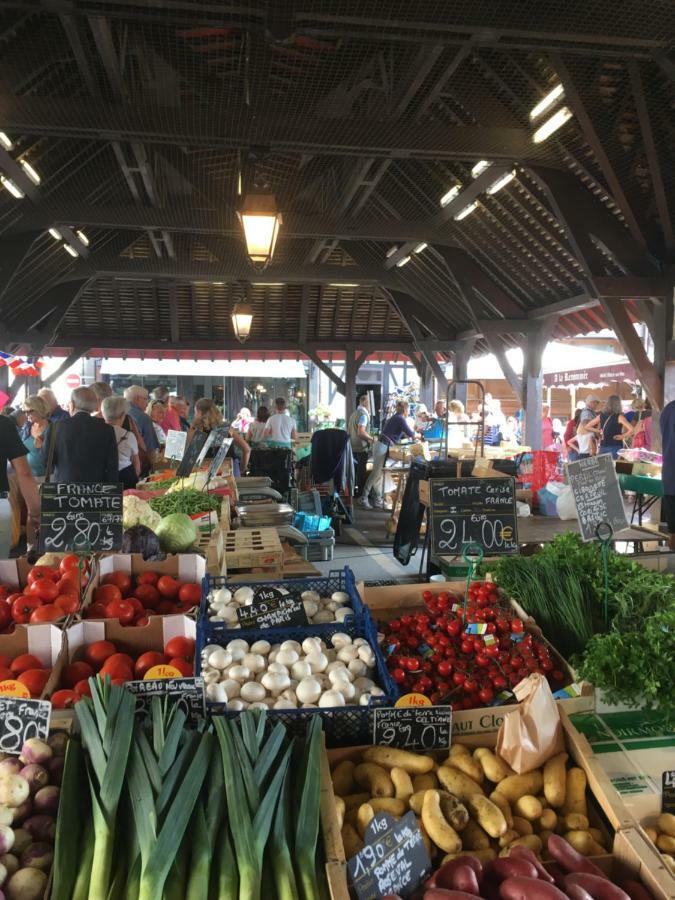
[
  {"x": 480, "y": 166},
  {"x": 5, "y": 141},
  {"x": 83, "y": 237},
  {"x": 30, "y": 171},
  {"x": 420, "y": 247},
  {"x": 547, "y": 101},
  {"x": 14, "y": 189},
  {"x": 266, "y": 283},
  {"x": 343, "y": 284},
  {"x": 71, "y": 250},
  {"x": 462, "y": 214},
  {"x": 451, "y": 194},
  {"x": 391, "y": 251},
  {"x": 403, "y": 262},
  {"x": 501, "y": 182},
  {"x": 556, "y": 121},
  {"x": 55, "y": 233}
]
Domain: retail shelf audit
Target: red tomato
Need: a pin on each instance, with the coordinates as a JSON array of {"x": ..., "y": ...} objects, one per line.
[
  {"x": 190, "y": 593},
  {"x": 83, "y": 688},
  {"x": 148, "y": 595},
  {"x": 23, "y": 608},
  {"x": 5, "y": 661},
  {"x": 107, "y": 593},
  {"x": 168, "y": 587},
  {"x": 6, "y": 674},
  {"x": 65, "y": 699},
  {"x": 137, "y": 605},
  {"x": 146, "y": 661},
  {"x": 118, "y": 670},
  {"x": 71, "y": 563},
  {"x": 98, "y": 652},
  {"x": 165, "y": 608},
  {"x": 38, "y": 572},
  {"x": 44, "y": 589},
  {"x": 46, "y": 613},
  {"x": 183, "y": 666},
  {"x": 71, "y": 581},
  {"x": 35, "y": 680},
  {"x": 122, "y": 610},
  {"x": 143, "y": 620},
  {"x": 120, "y": 579},
  {"x": 23, "y": 662},
  {"x": 5, "y": 615},
  {"x": 95, "y": 611},
  {"x": 182, "y": 647},
  {"x": 76, "y": 671},
  {"x": 147, "y": 578},
  {"x": 69, "y": 603}
]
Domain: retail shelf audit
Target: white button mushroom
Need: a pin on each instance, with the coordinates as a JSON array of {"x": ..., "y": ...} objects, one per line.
[
  {"x": 347, "y": 690},
  {"x": 376, "y": 691},
  {"x": 323, "y": 617},
  {"x": 339, "y": 677},
  {"x": 364, "y": 699},
  {"x": 231, "y": 687},
  {"x": 239, "y": 673},
  {"x": 237, "y": 705},
  {"x": 215, "y": 693},
  {"x": 340, "y": 597},
  {"x": 359, "y": 642},
  {"x": 348, "y": 653},
  {"x": 317, "y": 662},
  {"x": 331, "y": 698},
  {"x": 238, "y": 644},
  {"x": 342, "y": 613},
  {"x": 254, "y": 661},
  {"x": 357, "y": 667},
  {"x": 292, "y": 645},
  {"x": 340, "y": 640},
  {"x": 209, "y": 649},
  {"x": 308, "y": 690},
  {"x": 220, "y": 659},
  {"x": 275, "y": 683},
  {"x": 237, "y": 654},
  {"x": 364, "y": 685},
  {"x": 277, "y": 667},
  {"x": 252, "y": 692},
  {"x": 367, "y": 655},
  {"x": 310, "y": 596},
  {"x": 259, "y": 705},
  {"x": 244, "y": 595},
  {"x": 282, "y": 703},
  {"x": 261, "y": 647},
  {"x": 287, "y": 657},
  {"x": 289, "y": 694},
  {"x": 311, "y": 608},
  {"x": 301, "y": 669},
  {"x": 311, "y": 645}
]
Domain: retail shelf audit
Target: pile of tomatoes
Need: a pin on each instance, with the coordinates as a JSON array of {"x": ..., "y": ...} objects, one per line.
[
  {"x": 26, "y": 669},
  {"x": 51, "y": 592},
  {"x": 435, "y": 652},
  {"x": 103, "y": 658},
  {"x": 131, "y": 599}
]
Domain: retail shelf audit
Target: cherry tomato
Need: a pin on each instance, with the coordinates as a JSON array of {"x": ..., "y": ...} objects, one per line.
[
  {"x": 398, "y": 675},
  {"x": 470, "y": 685},
  {"x": 190, "y": 593},
  {"x": 444, "y": 668},
  {"x": 168, "y": 587},
  {"x": 183, "y": 647},
  {"x": 486, "y": 695},
  {"x": 44, "y": 588},
  {"x": 517, "y": 626},
  {"x": 121, "y": 580}
]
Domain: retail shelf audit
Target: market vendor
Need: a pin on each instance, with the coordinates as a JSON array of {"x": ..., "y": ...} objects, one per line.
[
  {"x": 361, "y": 441},
  {"x": 667, "y": 423},
  {"x": 395, "y": 429},
  {"x": 13, "y": 451}
]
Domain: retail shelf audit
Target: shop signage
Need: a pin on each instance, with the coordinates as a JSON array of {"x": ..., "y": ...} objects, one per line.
[
  {"x": 175, "y": 444},
  {"x": 20, "y": 720},
  {"x": 596, "y": 494},
  {"x": 593, "y": 375},
  {"x": 186, "y": 693},
  {"x": 413, "y": 728},
  {"x": 219, "y": 458},
  {"x": 478, "y": 511},
  {"x": 189, "y": 459},
  {"x": 80, "y": 517},
  {"x": 668, "y": 792},
  {"x": 394, "y": 860},
  {"x": 272, "y": 609}
]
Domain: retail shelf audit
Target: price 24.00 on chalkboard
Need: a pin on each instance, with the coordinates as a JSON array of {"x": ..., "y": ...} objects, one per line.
[{"x": 473, "y": 511}]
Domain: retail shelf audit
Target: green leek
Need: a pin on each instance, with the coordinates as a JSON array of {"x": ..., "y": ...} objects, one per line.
[{"x": 307, "y": 821}]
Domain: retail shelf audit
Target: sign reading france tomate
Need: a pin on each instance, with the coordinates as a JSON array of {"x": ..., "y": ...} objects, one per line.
[{"x": 73, "y": 380}]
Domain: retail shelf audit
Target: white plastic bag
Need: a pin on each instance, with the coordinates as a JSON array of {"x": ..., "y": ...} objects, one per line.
[{"x": 565, "y": 505}]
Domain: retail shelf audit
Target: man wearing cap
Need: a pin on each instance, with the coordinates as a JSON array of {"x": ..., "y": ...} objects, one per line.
[{"x": 591, "y": 409}]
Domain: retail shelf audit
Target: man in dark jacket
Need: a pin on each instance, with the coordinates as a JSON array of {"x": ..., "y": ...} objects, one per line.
[{"x": 85, "y": 448}]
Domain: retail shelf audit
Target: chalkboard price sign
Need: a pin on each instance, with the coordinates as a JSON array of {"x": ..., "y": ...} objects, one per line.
[
  {"x": 20, "y": 720},
  {"x": 175, "y": 444},
  {"x": 81, "y": 517},
  {"x": 189, "y": 459},
  {"x": 187, "y": 693},
  {"x": 473, "y": 511},
  {"x": 668, "y": 791},
  {"x": 596, "y": 494},
  {"x": 273, "y": 610},
  {"x": 394, "y": 860},
  {"x": 219, "y": 458},
  {"x": 413, "y": 728}
]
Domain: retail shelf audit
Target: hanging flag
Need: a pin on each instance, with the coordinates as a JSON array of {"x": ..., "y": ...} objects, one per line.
[{"x": 19, "y": 365}]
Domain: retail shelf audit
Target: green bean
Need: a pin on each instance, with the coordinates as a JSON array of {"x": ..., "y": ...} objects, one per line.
[{"x": 188, "y": 501}]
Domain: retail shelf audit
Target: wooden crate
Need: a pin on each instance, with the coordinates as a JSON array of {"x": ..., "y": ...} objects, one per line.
[{"x": 253, "y": 549}]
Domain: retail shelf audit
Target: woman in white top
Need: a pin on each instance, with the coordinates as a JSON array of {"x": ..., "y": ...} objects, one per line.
[
  {"x": 281, "y": 429},
  {"x": 256, "y": 429},
  {"x": 114, "y": 410},
  {"x": 583, "y": 442}
]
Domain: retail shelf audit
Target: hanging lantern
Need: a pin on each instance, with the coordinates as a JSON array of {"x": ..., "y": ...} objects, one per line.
[
  {"x": 242, "y": 319},
  {"x": 260, "y": 220}
]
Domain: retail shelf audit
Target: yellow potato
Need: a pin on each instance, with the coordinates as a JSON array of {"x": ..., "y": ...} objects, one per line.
[
  {"x": 427, "y": 782},
  {"x": 431, "y": 850},
  {"x": 597, "y": 835},
  {"x": 489, "y": 815},
  {"x": 351, "y": 841},
  {"x": 495, "y": 769},
  {"x": 501, "y": 801},
  {"x": 652, "y": 834},
  {"x": 483, "y": 855},
  {"x": 666, "y": 823},
  {"x": 515, "y": 786},
  {"x": 666, "y": 843},
  {"x": 473, "y": 837},
  {"x": 555, "y": 780},
  {"x": 583, "y": 843},
  {"x": 352, "y": 815},
  {"x": 575, "y": 822},
  {"x": 375, "y": 779},
  {"x": 468, "y": 765},
  {"x": 457, "y": 783},
  {"x": 575, "y": 793},
  {"x": 416, "y": 800},
  {"x": 528, "y": 807},
  {"x": 544, "y": 802},
  {"x": 533, "y": 841},
  {"x": 365, "y": 814},
  {"x": 402, "y": 782},
  {"x": 388, "y": 804},
  {"x": 522, "y": 826},
  {"x": 388, "y": 757},
  {"x": 356, "y": 799},
  {"x": 343, "y": 777},
  {"x": 458, "y": 750},
  {"x": 340, "y": 811},
  {"x": 438, "y": 828},
  {"x": 508, "y": 838},
  {"x": 454, "y": 810},
  {"x": 547, "y": 821}
]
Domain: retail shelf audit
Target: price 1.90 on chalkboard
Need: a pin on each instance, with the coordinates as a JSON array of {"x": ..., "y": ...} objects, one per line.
[
  {"x": 473, "y": 511},
  {"x": 80, "y": 517}
]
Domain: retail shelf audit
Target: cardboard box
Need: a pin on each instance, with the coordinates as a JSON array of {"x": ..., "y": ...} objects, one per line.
[
  {"x": 46, "y": 641},
  {"x": 14, "y": 574},
  {"x": 386, "y": 603},
  {"x": 131, "y": 640},
  {"x": 189, "y": 567}
]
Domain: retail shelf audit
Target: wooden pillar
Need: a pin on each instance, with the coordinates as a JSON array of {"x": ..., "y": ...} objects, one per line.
[
  {"x": 460, "y": 370},
  {"x": 533, "y": 382},
  {"x": 622, "y": 325},
  {"x": 350, "y": 383},
  {"x": 427, "y": 387}
]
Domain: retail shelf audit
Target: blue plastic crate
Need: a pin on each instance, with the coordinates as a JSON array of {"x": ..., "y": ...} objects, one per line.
[
  {"x": 339, "y": 580},
  {"x": 344, "y": 726},
  {"x": 308, "y": 524}
]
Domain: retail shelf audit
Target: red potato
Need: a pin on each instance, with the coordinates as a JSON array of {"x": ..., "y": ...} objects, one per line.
[
  {"x": 529, "y": 889},
  {"x": 575, "y": 892},
  {"x": 510, "y": 867},
  {"x": 529, "y": 855},
  {"x": 570, "y": 860},
  {"x": 598, "y": 888},
  {"x": 557, "y": 873},
  {"x": 442, "y": 894},
  {"x": 464, "y": 879},
  {"x": 636, "y": 891},
  {"x": 443, "y": 877}
]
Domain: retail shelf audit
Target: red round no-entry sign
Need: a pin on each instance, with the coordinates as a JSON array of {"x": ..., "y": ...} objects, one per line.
[{"x": 73, "y": 380}]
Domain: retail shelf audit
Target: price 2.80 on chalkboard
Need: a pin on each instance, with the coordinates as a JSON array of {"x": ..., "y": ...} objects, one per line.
[
  {"x": 473, "y": 511},
  {"x": 80, "y": 517}
]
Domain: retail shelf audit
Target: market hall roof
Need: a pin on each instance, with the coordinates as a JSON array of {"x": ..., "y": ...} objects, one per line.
[{"x": 141, "y": 119}]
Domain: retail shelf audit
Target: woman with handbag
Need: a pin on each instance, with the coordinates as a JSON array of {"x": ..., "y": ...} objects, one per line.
[{"x": 611, "y": 426}]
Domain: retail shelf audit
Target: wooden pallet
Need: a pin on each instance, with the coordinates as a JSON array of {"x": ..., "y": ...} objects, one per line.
[{"x": 253, "y": 549}]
